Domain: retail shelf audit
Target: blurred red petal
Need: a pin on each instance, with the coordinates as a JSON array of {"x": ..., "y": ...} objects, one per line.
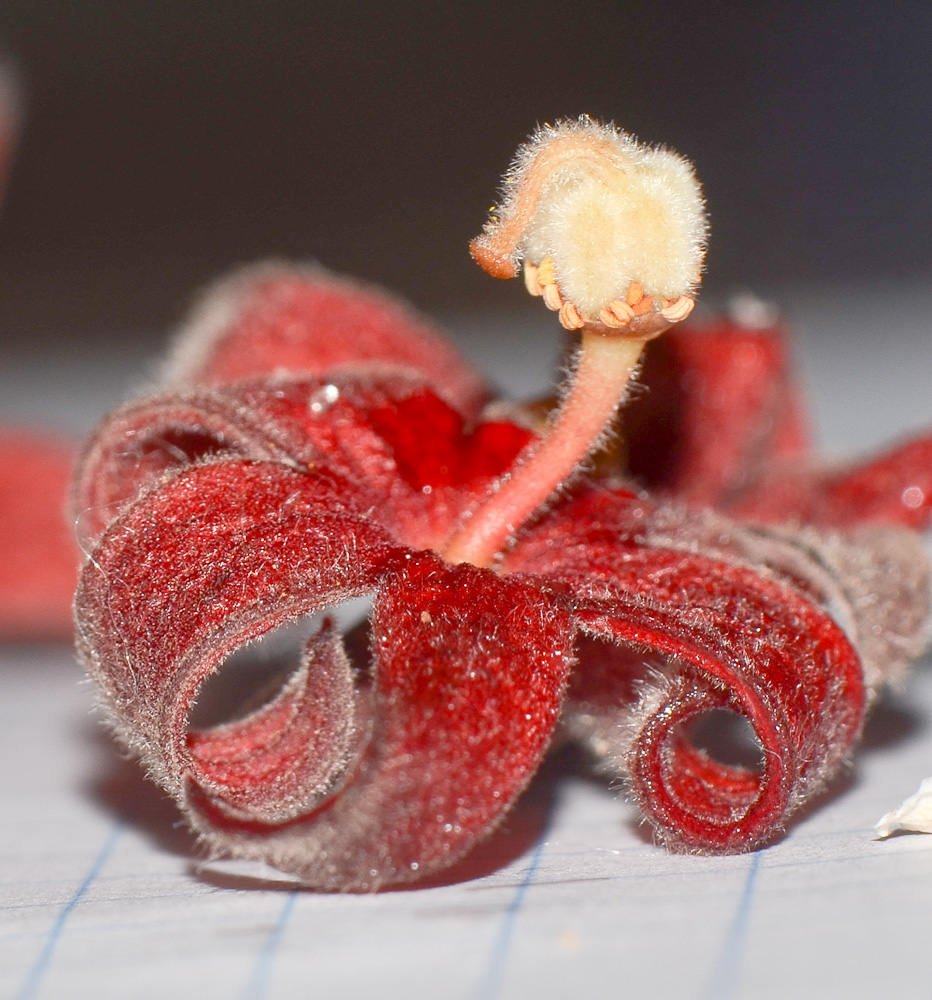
[
  {"x": 272, "y": 318},
  {"x": 37, "y": 553}
]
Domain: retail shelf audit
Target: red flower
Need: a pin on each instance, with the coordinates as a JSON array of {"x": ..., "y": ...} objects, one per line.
[{"x": 316, "y": 443}]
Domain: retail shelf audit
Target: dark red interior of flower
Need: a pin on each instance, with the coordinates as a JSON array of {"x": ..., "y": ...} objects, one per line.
[{"x": 432, "y": 447}]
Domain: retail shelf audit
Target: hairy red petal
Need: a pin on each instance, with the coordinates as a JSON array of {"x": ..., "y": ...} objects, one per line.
[
  {"x": 892, "y": 488},
  {"x": 142, "y": 441},
  {"x": 278, "y": 318},
  {"x": 431, "y": 448},
  {"x": 760, "y": 651},
  {"x": 323, "y": 435},
  {"x": 719, "y": 407},
  {"x": 469, "y": 672},
  {"x": 723, "y": 617},
  {"x": 468, "y": 676},
  {"x": 212, "y": 559},
  {"x": 403, "y": 449},
  {"x": 277, "y": 762}
]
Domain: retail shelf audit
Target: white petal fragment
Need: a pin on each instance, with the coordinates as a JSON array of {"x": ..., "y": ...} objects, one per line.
[{"x": 913, "y": 816}]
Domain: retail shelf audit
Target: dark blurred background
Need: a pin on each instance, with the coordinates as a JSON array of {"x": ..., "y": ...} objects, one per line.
[{"x": 164, "y": 142}]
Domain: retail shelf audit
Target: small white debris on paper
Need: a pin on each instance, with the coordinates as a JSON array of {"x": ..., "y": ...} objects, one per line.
[{"x": 913, "y": 816}]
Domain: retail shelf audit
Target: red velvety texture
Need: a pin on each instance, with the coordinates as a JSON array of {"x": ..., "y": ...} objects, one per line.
[
  {"x": 725, "y": 429},
  {"x": 274, "y": 318},
  {"x": 722, "y": 425},
  {"x": 466, "y": 679},
  {"x": 891, "y": 488},
  {"x": 720, "y": 625},
  {"x": 218, "y": 511},
  {"x": 403, "y": 448},
  {"x": 720, "y": 410}
]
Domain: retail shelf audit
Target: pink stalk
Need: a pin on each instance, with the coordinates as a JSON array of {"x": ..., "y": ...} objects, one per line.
[{"x": 606, "y": 364}]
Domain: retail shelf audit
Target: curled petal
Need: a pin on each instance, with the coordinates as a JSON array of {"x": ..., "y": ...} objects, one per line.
[
  {"x": 140, "y": 443},
  {"x": 469, "y": 673},
  {"x": 759, "y": 651},
  {"x": 277, "y": 762},
  {"x": 346, "y": 782},
  {"x": 399, "y": 444},
  {"x": 704, "y": 615},
  {"x": 212, "y": 559},
  {"x": 274, "y": 318}
]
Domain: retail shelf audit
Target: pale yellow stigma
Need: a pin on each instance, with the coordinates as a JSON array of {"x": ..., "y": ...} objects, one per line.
[{"x": 612, "y": 233}]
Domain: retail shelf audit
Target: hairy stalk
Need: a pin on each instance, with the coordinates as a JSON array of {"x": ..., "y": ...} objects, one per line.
[{"x": 599, "y": 383}]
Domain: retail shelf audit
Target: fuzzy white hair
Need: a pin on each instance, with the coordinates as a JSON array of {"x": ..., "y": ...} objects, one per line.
[{"x": 606, "y": 209}]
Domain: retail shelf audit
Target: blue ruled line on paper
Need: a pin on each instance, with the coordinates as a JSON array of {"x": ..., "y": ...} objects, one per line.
[
  {"x": 262, "y": 970},
  {"x": 725, "y": 979},
  {"x": 492, "y": 981},
  {"x": 43, "y": 962}
]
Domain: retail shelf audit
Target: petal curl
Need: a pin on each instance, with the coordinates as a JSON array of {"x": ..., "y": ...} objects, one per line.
[
  {"x": 467, "y": 678},
  {"x": 469, "y": 673},
  {"x": 281, "y": 759},
  {"x": 721, "y": 617},
  {"x": 212, "y": 559},
  {"x": 760, "y": 652}
]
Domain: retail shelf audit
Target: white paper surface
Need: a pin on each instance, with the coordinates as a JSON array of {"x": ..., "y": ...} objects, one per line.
[{"x": 103, "y": 894}]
